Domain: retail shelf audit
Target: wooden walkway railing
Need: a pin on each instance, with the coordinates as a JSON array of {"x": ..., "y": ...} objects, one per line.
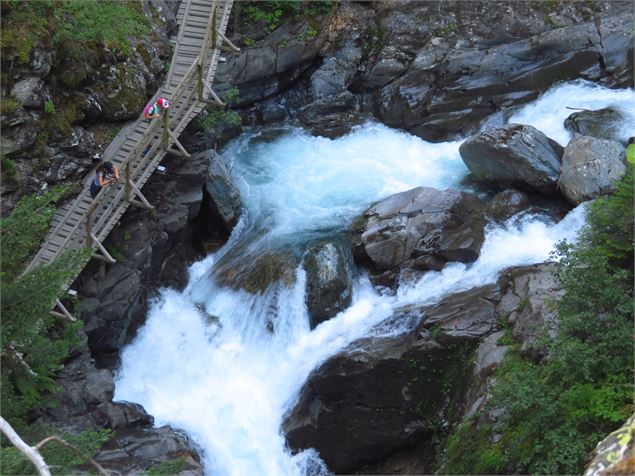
[{"x": 138, "y": 149}]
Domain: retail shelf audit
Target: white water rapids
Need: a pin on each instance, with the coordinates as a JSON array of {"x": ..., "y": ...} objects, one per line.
[{"x": 227, "y": 380}]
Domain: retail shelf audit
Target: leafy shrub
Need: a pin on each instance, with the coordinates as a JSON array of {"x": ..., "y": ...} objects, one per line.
[
  {"x": 214, "y": 115},
  {"x": 557, "y": 412}
]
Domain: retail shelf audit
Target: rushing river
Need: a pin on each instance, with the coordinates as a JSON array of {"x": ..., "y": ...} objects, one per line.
[{"x": 206, "y": 360}]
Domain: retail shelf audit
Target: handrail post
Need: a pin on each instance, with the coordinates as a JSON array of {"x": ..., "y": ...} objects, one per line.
[
  {"x": 200, "y": 80},
  {"x": 214, "y": 27},
  {"x": 128, "y": 188},
  {"x": 89, "y": 223},
  {"x": 166, "y": 126}
]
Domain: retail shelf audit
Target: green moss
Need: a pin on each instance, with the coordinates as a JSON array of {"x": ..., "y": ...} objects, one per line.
[
  {"x": 470, "y": 450},
  {"x": 8, "y": 105},
  {"x": 9, "y": 169},
  {"x": 168, "y": 468}
]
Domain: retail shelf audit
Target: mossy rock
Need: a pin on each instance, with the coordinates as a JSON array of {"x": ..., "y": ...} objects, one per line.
[
  {"x": 259, "y": 273},
  {"x": 122, "y": 93}
]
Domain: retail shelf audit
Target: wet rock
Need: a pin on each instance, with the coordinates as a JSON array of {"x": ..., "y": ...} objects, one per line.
[
  {"x": 507, "y": 203},
  {"x": 361, "y": 404},
  {"x": 30, "y": 92},
  {"x": 225, "y": 203},
  {"x": 423, "y": 224},
  {"x": 527, "y": 294},
  {"x": 331, "y": 117},
  {"x": 602, "y": 123},
  {"x": 257, "y": 274},
  {"x": 381, "y": 394},
  {"x": 464, "y": 316},
  {"x": 328, "y": 282},
  {"x": 590, "y": 168},
  {"x": 514, "y": 155}
]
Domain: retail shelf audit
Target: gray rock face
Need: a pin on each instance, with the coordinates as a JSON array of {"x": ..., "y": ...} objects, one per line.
[
  {"x": 514, "y": 155},
  {"x": 269, "y": 68},
  {"x": 328, "y": 282},
  {"x": 525, "y": 303},
  {"x": 480, "y": 69},
  {"x": 29, "y": 92},
  {"x": 381, "y": 394},
  {"x": 421, "y": 228},
  {"x": 225, "y": 199},
  {"x": 603, "y": 123},
  {"x": 590, "y": 168}
]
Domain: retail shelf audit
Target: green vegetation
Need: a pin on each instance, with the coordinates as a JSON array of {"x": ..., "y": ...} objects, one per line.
[
  {"x": 8, "y": 105},
  {"x": 9, "y": 169},
  {"x": 247, "y": 41},
  {"x": 49, "y": 107},
  {"x": 556, "y": 412},
  {"x": 308, "y": 34},
  {"x": 168, "y": 468},
  {"x": 33, "y": 342},
  {"x": 60, "y": 459},
  {"x": 273, "y": 13},
  {"x": 106, "y": 23},
  {"x": 214, "y": 115},
  {"x": 373, "y": 40}
]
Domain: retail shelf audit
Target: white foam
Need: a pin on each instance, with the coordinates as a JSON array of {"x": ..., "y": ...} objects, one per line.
[{"x": 206, "y": 360}]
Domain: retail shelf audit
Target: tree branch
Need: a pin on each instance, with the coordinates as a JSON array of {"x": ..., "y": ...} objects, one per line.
[
  {"x": 32, "y": 454},
  {"x": 94, "y": 463}
]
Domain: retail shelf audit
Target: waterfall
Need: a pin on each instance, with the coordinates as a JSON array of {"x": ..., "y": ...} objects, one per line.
[{"x": 224, "y": 365}]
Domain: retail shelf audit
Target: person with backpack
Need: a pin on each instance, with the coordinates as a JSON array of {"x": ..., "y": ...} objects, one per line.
[
  {"x": 105, "y": 174},
  {"x": 154, "y": 110}
]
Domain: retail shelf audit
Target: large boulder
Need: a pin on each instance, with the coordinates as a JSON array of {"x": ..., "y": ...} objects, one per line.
[
  {"x": 514, "y": 155},
  {"x": 381, "y": 394},
  {"x": 590, "y": 168},
  {"x": 257, "y": 273},
  {"x": 526, "y": 303},
  {"x": 328, "y": 282},
  {"x": 422, "y": 228},
  {"x": 602, "y": 123},
  {"x": 225, "y": 203}
]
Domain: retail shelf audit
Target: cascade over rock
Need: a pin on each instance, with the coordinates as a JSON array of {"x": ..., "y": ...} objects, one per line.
[
  {"x": 422, "y": 228},
  {"x": 328, "y": 282},
  {"x": 591, "y": 167},
  {"x": 603, "y": 123},
  {"x": 507, "y": 203},
  {"x": 514, "y": 155},
  {"x": 383, "y": 393}
]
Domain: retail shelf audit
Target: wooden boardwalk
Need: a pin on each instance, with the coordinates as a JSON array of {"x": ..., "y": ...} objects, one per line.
[{"x": 138, "y": 149}]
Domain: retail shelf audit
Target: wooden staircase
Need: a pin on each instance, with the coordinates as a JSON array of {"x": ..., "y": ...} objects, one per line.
[{"x": 138, "y": 149}]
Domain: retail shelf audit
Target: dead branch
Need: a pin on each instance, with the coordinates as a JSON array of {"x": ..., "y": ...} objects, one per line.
[{"x": 33, "y": 452}]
